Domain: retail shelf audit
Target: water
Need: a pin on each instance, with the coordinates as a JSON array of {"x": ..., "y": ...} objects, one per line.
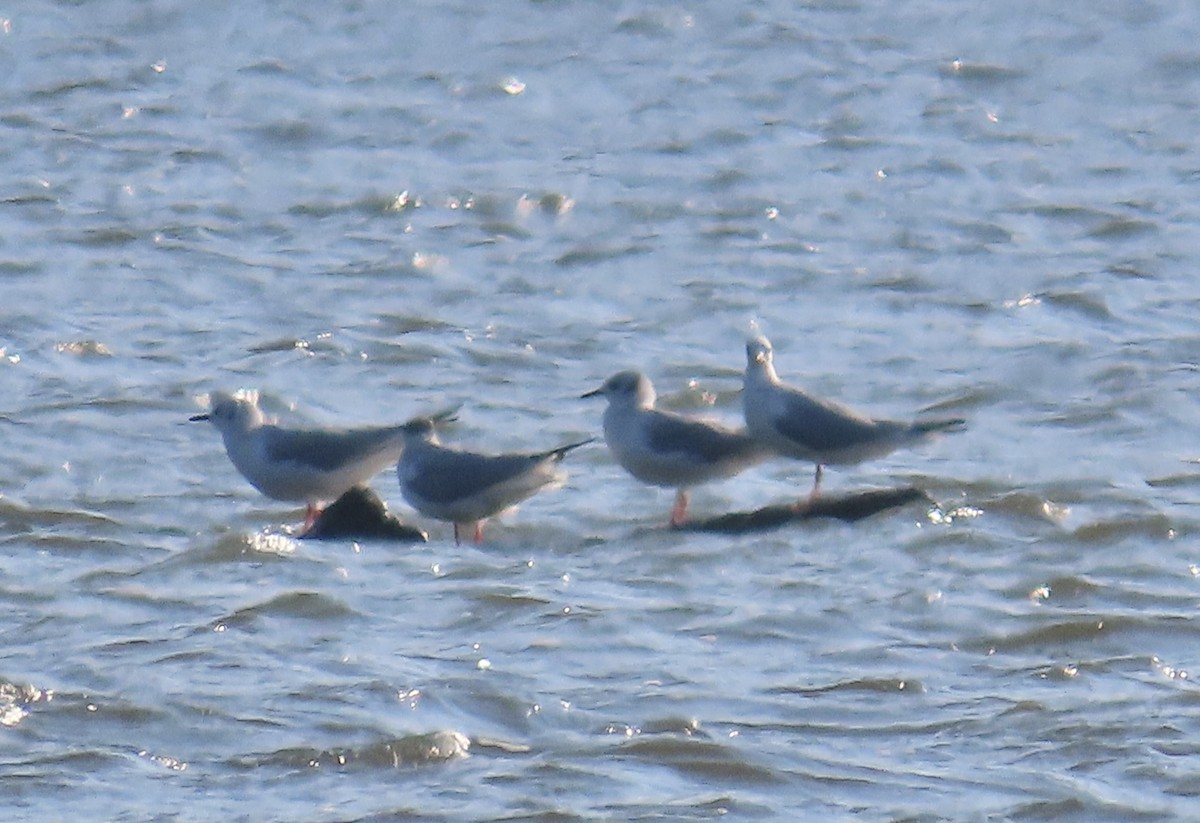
[{"x": 368, "y": 209}]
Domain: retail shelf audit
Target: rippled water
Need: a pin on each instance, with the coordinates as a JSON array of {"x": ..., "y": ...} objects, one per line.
[{"x": 367, "y": 209}]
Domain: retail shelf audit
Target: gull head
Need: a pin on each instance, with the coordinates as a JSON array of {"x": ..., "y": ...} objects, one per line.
[
  {"x": 758, "y": 351},
  {"x": 626, "y": 388},
  {"x": 232, "y": 412}
]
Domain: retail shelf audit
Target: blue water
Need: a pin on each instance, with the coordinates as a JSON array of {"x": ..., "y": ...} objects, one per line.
[{"x": 365, "y": 210}]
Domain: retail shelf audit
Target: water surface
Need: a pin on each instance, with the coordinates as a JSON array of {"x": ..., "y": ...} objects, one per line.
[{"x": 365, "y": 210}]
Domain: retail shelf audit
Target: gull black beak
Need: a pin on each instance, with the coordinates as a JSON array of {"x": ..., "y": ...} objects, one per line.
[
  {"x": 592, "y": 393},
  {"x": 195, "y": 418}
]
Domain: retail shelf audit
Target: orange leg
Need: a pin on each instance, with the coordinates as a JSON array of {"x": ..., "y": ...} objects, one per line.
[
  {"x": 311, "y": 513},
  {"x": 478, "y": 534},
  {"x": 679, "y": 513},
  {"x": 816, "y": 490}
]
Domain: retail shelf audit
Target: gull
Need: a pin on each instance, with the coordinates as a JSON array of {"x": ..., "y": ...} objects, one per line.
[
  {"x": 312, "y": 466},
  {"x": 796, "y": 424},
  {"x": 663, "y": 448},
  {"x": 464, "y": 487}
]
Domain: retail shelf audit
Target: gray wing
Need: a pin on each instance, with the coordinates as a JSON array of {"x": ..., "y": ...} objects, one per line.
[
  {"x": 823, "y": 426},
  {"x": 697, "y": 439},
  {"x": 328, "y": 449},
  {"x": 453, "y": 475}
]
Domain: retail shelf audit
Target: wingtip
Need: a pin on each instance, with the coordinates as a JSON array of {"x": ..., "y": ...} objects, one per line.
[
  {"x": 954, "y": 424},
  {"x": 561, "y": 451},
  {"x": 447, "y": 415}
]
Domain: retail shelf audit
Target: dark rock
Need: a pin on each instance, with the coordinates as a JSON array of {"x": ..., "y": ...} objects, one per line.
[
  {"x": 849, "y": 508},
  {"x": 360, "y": 514}
]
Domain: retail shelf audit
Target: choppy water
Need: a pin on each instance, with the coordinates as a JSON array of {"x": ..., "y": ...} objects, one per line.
[{"x": 366, "y": 209}]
